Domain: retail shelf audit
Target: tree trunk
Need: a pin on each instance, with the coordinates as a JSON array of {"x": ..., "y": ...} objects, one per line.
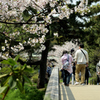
[
  {"x": 6, "y": 93},
  {"x": 43, "y": 65},
  {"x": 30, "y": 55}
]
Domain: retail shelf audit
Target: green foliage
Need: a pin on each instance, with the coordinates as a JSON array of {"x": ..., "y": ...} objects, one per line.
[
  {"x": 2, "y": 89},
  {"x": 93, "y": 80},
  {"x": 92, "y": 68},
  {"x": 16, "y": 77},
  {"x": 94, "y": 54},
  {"x": 28, "y": 12},
  {"x": 35, "y": 77},
  {"x": 5, "y": 70},
  {"x": 31, "y": 93}
]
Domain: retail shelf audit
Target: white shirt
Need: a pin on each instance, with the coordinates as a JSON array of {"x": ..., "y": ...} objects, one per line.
[{"x": 80, "y": 57}]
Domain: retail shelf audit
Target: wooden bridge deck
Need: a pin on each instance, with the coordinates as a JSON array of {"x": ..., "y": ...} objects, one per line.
[{"x": 79, "y": 92}]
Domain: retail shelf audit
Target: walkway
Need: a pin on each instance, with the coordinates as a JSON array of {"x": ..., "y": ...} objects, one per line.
[{"x": 79, "y": 92}]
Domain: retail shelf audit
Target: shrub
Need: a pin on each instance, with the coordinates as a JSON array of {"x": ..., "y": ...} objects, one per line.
[
  {"x": 94, "y": 79},
  {"x": 35, "y": 78},
  {"x": 31, "y": 93}
]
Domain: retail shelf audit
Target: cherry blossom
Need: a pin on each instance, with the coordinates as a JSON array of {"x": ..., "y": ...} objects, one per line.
[
  {"x": 16, "y": 7},
  {"x": 58, "y": 52},
  {"x": 13, "y": 10},
  {"x": 3, "y": 48}
]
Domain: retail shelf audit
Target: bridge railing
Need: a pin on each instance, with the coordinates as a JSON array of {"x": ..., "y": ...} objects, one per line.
[{"x": 52, "y": 91}]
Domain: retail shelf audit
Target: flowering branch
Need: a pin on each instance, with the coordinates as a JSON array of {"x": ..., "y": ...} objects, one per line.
[{"x": 21, "y": 23}]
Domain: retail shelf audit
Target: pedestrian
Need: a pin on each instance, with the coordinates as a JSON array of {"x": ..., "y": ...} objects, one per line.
[
  {"x": 62, "y": 74},
  {"x": 81, "y": 61},
  {"x": 86, "y": 75},
  {"x": 49, "y": 70},
  {"x": 68, "y": 70},
  {"x": 73, "y": 63},
  {"x": 73, "y": 67},
  {"x": 98, "y": 72}
]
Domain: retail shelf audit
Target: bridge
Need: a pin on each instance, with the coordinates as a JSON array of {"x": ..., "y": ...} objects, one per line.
[{"x": 58, "y": 91}]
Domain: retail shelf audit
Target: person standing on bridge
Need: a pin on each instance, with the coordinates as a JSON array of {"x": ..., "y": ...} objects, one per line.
[
  {"x": 73, "y": 63},
  {"x": 49, "y": 70},
  {"x": 81, "y": 61},
  {"x": 98, "y": 72},
  {"x": 68, "y": 71}
]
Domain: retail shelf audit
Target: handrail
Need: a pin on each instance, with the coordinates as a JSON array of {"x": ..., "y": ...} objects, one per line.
[{"x": 52, "y": 91}]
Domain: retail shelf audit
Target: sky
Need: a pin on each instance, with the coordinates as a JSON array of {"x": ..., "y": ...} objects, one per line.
[{"x": 74, "y": 1}]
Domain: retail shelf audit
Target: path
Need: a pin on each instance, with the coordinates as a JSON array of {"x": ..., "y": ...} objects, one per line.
[{"x": 79, "y": 92}]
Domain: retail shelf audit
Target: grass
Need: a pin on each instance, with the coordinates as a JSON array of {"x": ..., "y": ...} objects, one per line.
[{"x": 31, "y": 93}]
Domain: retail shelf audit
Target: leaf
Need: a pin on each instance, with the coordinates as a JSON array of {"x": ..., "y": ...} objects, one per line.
[
  {"x": 16, "y": 58},
  {"x": 16, "y": 67},
  {"x": 16, "y": 71},
  {"x": 12, "y": 62},
  {"x": 27, "y": 79},
  {"x": 20, "y": 87},
  {"x": 24, "y": 66},
  {"x": 5, "y": 91},
  {"x": 5, "y": 81},
  {"x": 4, "y": 75},
  {"x": 12, "y": 82},
  {"x": 32, "y": 9},
  {"x": 2, "y": 89},
  {"x": 5, "y": 62},
  {"x": 28, "y": 69},
  {"x": 25, "y": 13}
]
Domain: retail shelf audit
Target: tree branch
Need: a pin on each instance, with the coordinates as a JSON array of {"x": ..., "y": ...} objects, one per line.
[{"x": 19, "y": 23}]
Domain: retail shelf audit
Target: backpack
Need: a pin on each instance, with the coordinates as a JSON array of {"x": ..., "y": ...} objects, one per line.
[{"x": 65, "y": 66}]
